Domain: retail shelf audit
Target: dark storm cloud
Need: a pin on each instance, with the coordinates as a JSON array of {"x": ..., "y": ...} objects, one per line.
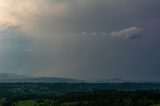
[{"x": 56, "y": 29}]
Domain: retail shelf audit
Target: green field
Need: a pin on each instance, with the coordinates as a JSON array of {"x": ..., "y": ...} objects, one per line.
[
  {"x": 156, "y": 105},
  {"x": 26, "y": 103}
]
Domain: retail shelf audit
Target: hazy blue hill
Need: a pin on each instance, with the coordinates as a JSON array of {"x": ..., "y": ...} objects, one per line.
[
  {"x": 119, "y": 80},
  {"x": 114, "y": 80},
  {"x": 15, "y": 78},
  {"x": 43, "y": 79},
  {"x": 12, "y": 76}
]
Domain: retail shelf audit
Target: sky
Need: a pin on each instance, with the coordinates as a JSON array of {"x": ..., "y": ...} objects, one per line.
[{"x": 82, "y": 39}]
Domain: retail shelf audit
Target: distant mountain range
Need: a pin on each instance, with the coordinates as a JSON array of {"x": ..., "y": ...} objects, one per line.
[
  {"x": 16, "y": 78},
  {"x": 113, "y": 80},
  {"x": 118, "y": 80}
]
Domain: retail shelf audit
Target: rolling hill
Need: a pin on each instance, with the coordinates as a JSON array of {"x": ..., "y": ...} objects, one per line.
[{"x": 16, "y": 78}]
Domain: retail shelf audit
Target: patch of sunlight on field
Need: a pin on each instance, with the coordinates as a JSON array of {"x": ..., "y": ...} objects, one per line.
[
  {"x": 26, "y": 103},
  {"x": 156, "y": 105}
]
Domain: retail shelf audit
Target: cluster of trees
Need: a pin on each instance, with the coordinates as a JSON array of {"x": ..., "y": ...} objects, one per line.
[
  {"x": 83, "y": 94},
  {"x": 95, "y": 98},
  {"x": 113, "y": 98}
]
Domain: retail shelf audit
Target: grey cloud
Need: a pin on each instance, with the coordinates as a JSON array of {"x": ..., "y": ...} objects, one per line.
[{"x": 45, "y": 17}]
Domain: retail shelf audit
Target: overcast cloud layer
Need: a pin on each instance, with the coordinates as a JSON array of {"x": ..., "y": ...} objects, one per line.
[{"x": 85, "y": 39}]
